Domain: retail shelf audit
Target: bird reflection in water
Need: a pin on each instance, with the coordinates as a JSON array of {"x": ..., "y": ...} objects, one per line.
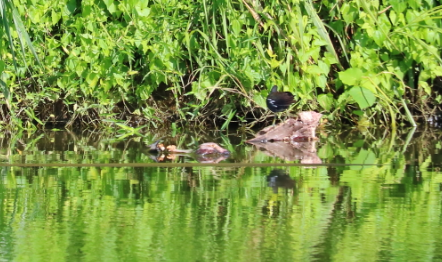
[{"x": 278, "y": 178}]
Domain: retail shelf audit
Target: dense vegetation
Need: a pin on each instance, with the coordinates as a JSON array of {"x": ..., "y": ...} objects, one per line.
[{"x": 156, "y": 62}]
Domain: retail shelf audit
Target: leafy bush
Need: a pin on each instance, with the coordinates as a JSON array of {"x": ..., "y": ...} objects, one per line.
[{"x": 149, "y": 62}]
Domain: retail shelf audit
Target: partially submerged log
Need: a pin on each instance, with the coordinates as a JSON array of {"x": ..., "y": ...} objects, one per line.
[
  {"x": 291, "y": 140},
  {"x": 301, "y": 129}
]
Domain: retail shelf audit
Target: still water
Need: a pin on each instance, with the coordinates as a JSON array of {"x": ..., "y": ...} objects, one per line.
[{"x": 347, "y": 197}]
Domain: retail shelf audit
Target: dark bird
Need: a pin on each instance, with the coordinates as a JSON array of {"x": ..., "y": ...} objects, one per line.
[{"x": 279, "y": 101}]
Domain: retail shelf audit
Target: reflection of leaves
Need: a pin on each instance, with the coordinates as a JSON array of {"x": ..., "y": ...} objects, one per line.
[
  {"x": 362, "y": 204},
  {"x": 126, "y": 131},
  {"x": 364, "y": 157},
  {"x": 31, "y": 144}
]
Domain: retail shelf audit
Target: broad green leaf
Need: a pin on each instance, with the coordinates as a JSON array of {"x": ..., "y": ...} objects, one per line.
[
  {"x": 236, "y": 27},
  {"x": 55, "y": 17},
  {"x": 379, "y": 37},
  {"x": 275, "y": 63},
  {"x": 142, "y": 11},
  {"x": 321, "y": 81},
  {"x": 92, "y": 79},
  {"x": 358, "y": 112},
  {"x": 349, "y": 12},
  {"x": 424, "y": 85},
  {"x": 371, "y": 82},
  {"x": 326, "y": 101},
  {"x": 71, "y": 6},
  {"x": 314, "y": 69},
  {"x": 259, "y": 100},
  {"x": 364, "y": 97},
  {"x": 393, "y": 17},
  {"x": 351, "y": 76},
  {"x": 325, "y": 69},
  {"x": 398, "y": 5}
]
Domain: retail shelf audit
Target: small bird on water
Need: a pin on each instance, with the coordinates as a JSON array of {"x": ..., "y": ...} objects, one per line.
[{"x": 279, "y": 101}]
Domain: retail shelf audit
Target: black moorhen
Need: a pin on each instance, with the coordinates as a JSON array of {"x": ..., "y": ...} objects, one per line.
[{"x": 279, "y": 101}]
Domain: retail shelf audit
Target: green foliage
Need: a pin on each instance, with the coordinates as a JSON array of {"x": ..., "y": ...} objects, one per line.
[
  {"x": 211, "y": 61},
  {"x": 393, "y": 54}
]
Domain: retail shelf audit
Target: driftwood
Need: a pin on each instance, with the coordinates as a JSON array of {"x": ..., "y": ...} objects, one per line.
[
  {"x": 291, "y": 140},
  {"x": 301, "y": 129}
]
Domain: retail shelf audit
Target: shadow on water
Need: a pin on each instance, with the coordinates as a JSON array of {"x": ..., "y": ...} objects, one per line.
[{"x": 350, "y": 195}]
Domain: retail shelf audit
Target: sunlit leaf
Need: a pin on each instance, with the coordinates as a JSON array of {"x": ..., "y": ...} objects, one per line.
[
  {"x": 326, "y": 101},
  {"x": 351, "y": 76},
  {"x": 364, "y": 97}
]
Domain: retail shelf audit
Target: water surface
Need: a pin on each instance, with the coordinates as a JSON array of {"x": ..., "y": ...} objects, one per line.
[{"x": 350, "y": 197}]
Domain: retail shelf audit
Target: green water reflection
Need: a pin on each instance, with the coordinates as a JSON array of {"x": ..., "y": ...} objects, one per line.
[{"x": 377, "y": 200}]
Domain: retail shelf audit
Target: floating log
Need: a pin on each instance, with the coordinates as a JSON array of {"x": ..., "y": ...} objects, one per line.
[
  {"x": 293, "y": 139},
  {"x": 301, "y": 129}
]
